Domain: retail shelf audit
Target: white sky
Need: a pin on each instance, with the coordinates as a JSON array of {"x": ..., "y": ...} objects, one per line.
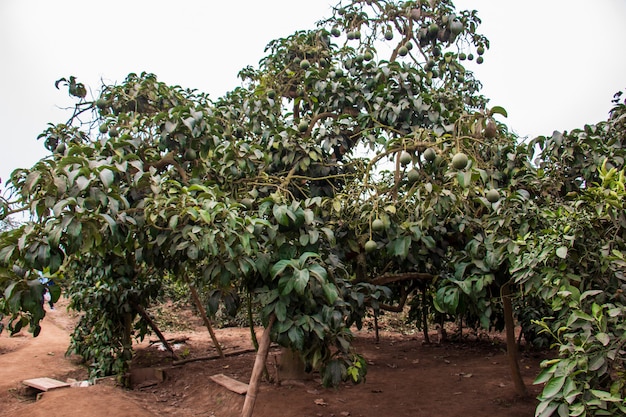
[{"x": 553, "y": 64}]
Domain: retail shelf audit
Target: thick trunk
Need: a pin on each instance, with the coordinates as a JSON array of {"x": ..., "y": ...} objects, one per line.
[
  {"x": 511, "y": 343},
  {"x": 291, "y": 366},
  {"x": 257, "y": 370}
]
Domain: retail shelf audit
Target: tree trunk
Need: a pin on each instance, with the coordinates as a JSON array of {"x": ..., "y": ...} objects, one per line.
[
  {"x": 255, "y": 342},
  {"x": 127, "y": 341},
  {"x": 291, "y": 367},
  {"x": 205, "y": 319},
  {"x": 257, "y": 370},
  {"x": 425, "y": 314},
  {"x": 145, "y": 316},
  {"x": 376, "y": 326},
  {"x": 511, "y": 343}
]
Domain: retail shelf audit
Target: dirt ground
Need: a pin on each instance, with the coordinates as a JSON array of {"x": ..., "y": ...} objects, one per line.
[{"x": 405, "y": 378}]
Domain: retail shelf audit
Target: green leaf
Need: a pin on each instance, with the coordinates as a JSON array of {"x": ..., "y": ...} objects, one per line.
[
  {"x": 429, "y": 242},
  {"x": 5, "y": 253},
  {"x": 561, "y": 252},
  {"x": 596, "y": 362},
  {"x": 546, "y": 408},
  {"x": 8, "y": 291},
  {"x": 498, "y": 110},
  {"x": 305, "y": 256},
  {"x": 590, "y": 293},
  {"x": 55, "y": 292},
  {"x": 605, "y": 396},
  {"x": 318, "y": 272},
  {"x": 465, "y": 286},
  {"x": 330, "y": 291},
  {"x": 281, "y": 214},
  {"x": 546, "y": 373},
  {"x": 400, "y": 247},
  {"x": 603, "y": 338},
  {"x": 107, "y": 177},
  {"x": 296, "y": 337},
  {"x": 279, "y": 267},
  {"x": 112, "y": 224},
  {"x": 280, "y": 309},
  {"x": 31, "y": 180},
  {"x": 332, "y": 374},
  {"x": 553, "y": 387},
  {"x": 301, "y": 279}
]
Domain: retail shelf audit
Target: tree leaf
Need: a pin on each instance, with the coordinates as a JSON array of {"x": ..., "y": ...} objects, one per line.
[
  {"x": 561, "y": 252},
  {"x": 330, "y": 291},
  {"x": 553, "y": 387},
  {"x": 279, "y": 267},
  {"x": 296, "y": 337},
  {"x": 107, "y": 177},
  {"x": 401, "y": 246},
  {"x": 301, "y": 279},
  {"x": 281, "y": 214},
  {"x": 112, "y": 224},
  {"x": 281, "y": 311},
  {"x": 498, "y": 110},
  {"x": 318, "y": 272},
  {"x": 603, "y": 338}
]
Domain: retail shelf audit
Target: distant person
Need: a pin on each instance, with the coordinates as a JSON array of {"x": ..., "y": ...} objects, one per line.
[{"x": 47, "y": 298}]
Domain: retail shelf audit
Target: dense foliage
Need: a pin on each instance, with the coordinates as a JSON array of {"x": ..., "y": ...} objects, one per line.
[{"x": 358, "y": 150}]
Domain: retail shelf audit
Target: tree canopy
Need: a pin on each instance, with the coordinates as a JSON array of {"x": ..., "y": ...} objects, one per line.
[{"x": 353, "y": 156}]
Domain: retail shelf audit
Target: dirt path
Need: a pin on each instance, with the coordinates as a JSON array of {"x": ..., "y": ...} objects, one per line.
[
  {"x": 405, "y": 378},
  {"x": 24, "y": 357}
]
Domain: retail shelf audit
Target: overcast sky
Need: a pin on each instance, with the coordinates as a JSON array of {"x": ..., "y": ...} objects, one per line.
[{"x": 553, "y": 64}]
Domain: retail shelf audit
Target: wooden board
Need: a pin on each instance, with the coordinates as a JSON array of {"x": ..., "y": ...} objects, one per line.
[
  {"x": 45, "y": 384},
  {"x": 229, "y": 383}
]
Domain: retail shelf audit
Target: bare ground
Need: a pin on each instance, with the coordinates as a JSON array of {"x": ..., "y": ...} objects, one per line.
[{"x": 405, "y": 378}]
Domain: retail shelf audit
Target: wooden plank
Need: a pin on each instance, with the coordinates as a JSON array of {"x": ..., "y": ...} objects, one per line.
[
  {"x": 45, "y": 384},
  {"x": 230, "y": 383}
]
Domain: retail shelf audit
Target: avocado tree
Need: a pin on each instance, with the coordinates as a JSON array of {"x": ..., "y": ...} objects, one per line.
[
  {"x": 356, "y": 154},
  {"x": 261, "y": 191},
  {"x": 574, "y": 262}
]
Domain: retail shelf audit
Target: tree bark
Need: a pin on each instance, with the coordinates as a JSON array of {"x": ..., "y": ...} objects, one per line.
[
  {"x": 257, "y": 370},
  {"x": 425, "y": 314},
  {"x": 205, "y": 319},
  {"x": 511, "y": 343},
  {"x": 212, "y": 357},
  {"x": 145, "y": 316},
  {"x": 255, "y": 342}
]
